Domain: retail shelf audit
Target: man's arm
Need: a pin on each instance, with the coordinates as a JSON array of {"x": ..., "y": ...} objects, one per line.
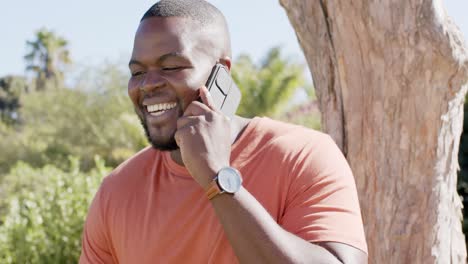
[{"x": 257, "y": 238}]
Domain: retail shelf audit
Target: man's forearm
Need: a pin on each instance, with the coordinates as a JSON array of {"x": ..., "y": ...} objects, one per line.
[{"x": 257, "y": 238}]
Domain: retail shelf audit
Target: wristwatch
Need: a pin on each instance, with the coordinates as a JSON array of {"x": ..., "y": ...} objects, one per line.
[{"x": 228, "y": 180}]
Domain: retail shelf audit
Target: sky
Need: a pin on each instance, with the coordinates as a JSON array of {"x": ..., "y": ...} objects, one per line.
[{"x": 103, "y": 30}]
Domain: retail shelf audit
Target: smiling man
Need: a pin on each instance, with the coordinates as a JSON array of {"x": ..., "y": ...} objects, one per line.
[{"x": 212, "y": 189}]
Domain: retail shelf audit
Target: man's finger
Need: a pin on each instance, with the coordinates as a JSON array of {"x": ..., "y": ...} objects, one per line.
[
  {"x": 206, "y": 98},
  {"x": 196, "y": 108},
  {"x": 187, "y": 120},
  {"x": 186, "y": 132},
  {"x": 177, "y": 138}
]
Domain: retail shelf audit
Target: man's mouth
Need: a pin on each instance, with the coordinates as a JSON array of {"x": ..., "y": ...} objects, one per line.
[{"x": 159, "y": 109}]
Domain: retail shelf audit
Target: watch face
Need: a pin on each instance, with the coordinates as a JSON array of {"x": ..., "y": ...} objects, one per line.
[{"x": 229, "y": 180}]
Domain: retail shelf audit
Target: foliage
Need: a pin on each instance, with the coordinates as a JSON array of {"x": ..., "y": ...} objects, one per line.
[
  {"x": 310, "y": 119},
  {"x": 463, "y": 173},
  {"x": 57, "y": 123},
  {"x": 11, "y": 89},
  {"x": 46, "y": 212},
  {"x": 48, "y": 54},
  {"x": 268, "y": 87},
  {"x": 306, "y": 114}
]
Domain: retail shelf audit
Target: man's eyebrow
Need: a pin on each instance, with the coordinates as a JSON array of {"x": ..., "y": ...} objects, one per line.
[
  {"x": 176, "y": 55},
  {"x": 132, "y": 61}
]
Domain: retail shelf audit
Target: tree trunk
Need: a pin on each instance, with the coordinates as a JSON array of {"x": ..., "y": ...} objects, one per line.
[{"x": 391, "y": 77}]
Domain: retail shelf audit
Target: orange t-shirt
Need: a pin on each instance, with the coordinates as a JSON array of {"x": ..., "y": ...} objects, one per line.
[{"x": 150, "y": 210}]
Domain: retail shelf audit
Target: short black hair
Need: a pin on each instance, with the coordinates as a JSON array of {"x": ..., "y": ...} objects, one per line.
[{"x": 198, "y": 10}]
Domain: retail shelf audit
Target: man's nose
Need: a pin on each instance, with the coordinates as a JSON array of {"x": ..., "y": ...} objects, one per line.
[{"x": 153, "y": 80}]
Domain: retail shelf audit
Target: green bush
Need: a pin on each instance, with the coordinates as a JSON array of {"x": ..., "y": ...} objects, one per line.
[
  {"x": 95, "y": 118},
  {"x": 45, "y": 211}
]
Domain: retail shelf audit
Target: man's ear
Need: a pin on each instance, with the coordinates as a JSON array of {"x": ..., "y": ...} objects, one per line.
[{"x": 226, "y": 61}]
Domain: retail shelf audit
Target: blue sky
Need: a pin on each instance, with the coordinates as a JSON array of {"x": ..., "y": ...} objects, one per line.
[{"x": 103, "y": 30}]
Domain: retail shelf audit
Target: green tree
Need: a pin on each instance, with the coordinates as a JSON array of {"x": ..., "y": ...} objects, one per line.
[
  {"x": 268, "y": 87},
  {"x": 11, "y": 89},
  {"x": 47, "y": 56}
]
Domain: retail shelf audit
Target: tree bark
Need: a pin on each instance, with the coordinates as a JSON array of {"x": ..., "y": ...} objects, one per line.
[{"x": 391, "y": 78}]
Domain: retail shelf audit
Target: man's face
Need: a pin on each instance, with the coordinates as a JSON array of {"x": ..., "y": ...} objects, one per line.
[{"x": 170, "y": 61}]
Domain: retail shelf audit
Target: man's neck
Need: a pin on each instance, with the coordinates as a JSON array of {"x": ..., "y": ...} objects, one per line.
[
  {"x": 238, "y": 125},
  {"x": 177, "y": 157}
]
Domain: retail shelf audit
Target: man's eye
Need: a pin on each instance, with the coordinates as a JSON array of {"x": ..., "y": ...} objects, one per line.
[
  {"x": 137, "y": 73},
  {"x": 171, "y": 68}
]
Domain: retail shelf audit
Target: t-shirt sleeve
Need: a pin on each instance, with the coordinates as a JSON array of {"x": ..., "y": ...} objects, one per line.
[
  {"x": 322, "y": 203},
  {"x": 95, "y": 248}
]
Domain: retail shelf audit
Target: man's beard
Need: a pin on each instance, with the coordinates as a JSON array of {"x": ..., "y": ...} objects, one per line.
[{"x": 168, "y": 145}]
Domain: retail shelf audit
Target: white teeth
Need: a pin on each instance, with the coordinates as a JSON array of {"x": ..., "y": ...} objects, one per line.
[
  {"x": 160, "y": 107},
  {"x": 157, "y": 113}
]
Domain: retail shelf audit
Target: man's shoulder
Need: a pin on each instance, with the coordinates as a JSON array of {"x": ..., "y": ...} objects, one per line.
[
  {"x": 129, "y": 172},
  {"x": 280, "y": 134},
  {"x": 137, "y": 162}
]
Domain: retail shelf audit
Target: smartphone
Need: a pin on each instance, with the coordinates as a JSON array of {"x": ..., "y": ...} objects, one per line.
[{"x": 225, "y": 93}]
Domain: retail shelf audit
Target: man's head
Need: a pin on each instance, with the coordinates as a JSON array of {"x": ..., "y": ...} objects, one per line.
[{"x": 176, "y": 45}]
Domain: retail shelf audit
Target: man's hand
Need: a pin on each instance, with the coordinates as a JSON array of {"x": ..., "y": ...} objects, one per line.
[{"x": 204, "y": 138}]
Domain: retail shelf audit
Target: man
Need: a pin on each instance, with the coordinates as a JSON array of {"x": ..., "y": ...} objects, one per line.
[{"x": 212, "y": 189}]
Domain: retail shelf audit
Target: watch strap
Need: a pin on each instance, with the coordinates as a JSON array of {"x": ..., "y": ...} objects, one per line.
[{"x": 213, "y": 189}]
